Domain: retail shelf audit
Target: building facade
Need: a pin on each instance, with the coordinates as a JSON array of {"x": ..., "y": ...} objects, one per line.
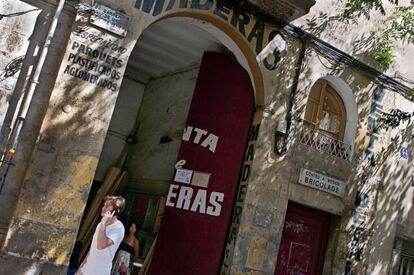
[{"x": 255, "y": 140}]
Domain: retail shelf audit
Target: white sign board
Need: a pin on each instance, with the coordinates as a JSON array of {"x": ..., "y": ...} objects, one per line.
[
  {"x": 322, "y": 182},
  {"x": 183, "y": 175},
  {"x": 110, "y": 19}
]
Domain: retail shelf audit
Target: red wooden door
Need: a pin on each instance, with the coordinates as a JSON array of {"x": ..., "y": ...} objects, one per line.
[
  {"x": 195, "y": 223},
  {"x": 304, "y": 239}
]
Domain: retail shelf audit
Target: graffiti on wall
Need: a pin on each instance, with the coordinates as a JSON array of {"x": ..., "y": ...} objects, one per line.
[{"x": 13, "y": 67}]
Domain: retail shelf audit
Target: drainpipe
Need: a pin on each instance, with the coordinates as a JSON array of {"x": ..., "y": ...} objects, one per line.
[
  {"x": 295, "y": 87},
  {"x": 282, "y": 137},
  {"x": 14, "y": 136}
]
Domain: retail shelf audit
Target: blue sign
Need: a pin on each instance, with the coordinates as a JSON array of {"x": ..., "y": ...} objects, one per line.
[{"x": 405, "y": 152}]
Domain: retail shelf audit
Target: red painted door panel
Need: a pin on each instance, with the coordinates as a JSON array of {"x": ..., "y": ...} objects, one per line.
[
  {"x": 193, "y": 230},
  {"x": 304, "y": 238}
]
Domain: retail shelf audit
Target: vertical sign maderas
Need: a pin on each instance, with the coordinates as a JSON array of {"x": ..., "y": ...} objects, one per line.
[{"x": 199, "y": 204}]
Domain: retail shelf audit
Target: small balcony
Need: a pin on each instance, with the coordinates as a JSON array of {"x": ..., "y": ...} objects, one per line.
[{"x": 325, "y": 143}]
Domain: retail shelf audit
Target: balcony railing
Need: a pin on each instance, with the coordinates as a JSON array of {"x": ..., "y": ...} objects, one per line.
[
  {"x": 325, "y": 143},
  {"x": 406, "y": 265}
]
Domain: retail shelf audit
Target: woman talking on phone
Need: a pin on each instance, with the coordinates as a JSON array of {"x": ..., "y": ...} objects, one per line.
[
  {"x": 128, "y": 250},
  {"x": 108, "y": 235}
]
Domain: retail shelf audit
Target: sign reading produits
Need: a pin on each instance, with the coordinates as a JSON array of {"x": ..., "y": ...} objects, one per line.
[
  {"x": 322, "y": 182},
  {"x": 110, "y": 19}
]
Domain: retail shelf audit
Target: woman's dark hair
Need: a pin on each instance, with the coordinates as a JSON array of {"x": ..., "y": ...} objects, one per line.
[{"x": 131, "y": 223}]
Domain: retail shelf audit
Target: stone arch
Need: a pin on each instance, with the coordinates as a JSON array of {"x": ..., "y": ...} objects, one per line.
[{"x": 226, "y": 35}]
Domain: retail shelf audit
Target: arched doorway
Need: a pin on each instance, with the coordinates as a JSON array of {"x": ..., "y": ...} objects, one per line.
[{"x": 153, "y": 109}]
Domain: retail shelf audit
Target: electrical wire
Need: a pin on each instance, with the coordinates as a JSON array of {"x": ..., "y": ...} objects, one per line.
[
  {"x": 339, "y": 57},
  {"x": 328, "y": 51}
]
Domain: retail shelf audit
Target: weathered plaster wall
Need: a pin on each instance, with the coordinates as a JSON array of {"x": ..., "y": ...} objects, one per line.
[
  {"x": 57, "y": 182},
  {"x": 274, "y": 180},
  {"x": 30, "y": 30},
  {"x": 283, "y": 9},
  {"x": 356, "y": 37},
  {"x": 391, "y": 177},
  {"x": 17, "y": 21},
  {"x": 163, "y": 114},
  {"x": 57, "y": 176},
  {"x": 123, "y": 124},
  {"x": 393, "y": 218},
  {"x": 266, "y": 196}
]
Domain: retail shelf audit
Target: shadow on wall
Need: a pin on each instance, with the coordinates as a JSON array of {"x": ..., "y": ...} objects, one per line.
[
  {"x": 395, "y": 181},
  {"x": 365, "y": 48},
  {"x": 56, "y": 184},
  {"x": 25, "y": 64}
]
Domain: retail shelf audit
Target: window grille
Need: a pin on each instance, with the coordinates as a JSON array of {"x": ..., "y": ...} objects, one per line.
[
  {"x": 325, "y": 143},
  {"x": 406, "y": 266}
]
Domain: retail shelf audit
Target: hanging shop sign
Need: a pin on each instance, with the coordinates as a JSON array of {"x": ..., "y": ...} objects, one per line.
[
  {"x": 322, "y": 182},
  {"x": 109, "y": 19}
]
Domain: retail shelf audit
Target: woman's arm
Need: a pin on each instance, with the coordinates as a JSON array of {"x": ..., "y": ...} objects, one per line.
[{"x": 136, "y": 248}]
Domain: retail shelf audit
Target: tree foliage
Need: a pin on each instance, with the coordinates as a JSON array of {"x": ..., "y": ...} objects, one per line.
[
  {"x": 358, "y": 8},
  {"x": 394, "y": 118},
  {"x": 398, "y": 27}
]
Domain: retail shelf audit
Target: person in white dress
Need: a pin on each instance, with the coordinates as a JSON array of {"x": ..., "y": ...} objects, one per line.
[{"x": 108, "y": 235}]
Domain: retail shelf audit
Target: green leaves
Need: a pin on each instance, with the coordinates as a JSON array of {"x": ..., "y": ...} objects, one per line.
[
  {"x": 394, "y": 118},
  {"x": 384, "y": 55},
  {"x": 357, "y": 8},
  {"x": 399, "y": 26}
]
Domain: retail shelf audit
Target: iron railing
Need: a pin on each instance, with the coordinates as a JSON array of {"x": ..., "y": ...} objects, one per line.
[
  {"x": 325, "y": 143},
  {"x": 406, "y": 265}
]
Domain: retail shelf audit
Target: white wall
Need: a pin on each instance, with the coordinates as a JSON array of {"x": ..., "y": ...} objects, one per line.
[
  {"x": 164, "y": 112},
  {"x": 122, "y": 125},
  {"x": 356, "y": 37},
  {"x": 14, "y": 41}
]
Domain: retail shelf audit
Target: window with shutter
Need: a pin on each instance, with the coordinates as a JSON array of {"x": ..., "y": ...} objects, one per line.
[{"x": 325, "y": 111}]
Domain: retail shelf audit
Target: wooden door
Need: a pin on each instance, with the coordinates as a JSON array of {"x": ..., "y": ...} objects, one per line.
[
  {"x": 193, "y": 231},
  {"x": 304, "y": 239}
]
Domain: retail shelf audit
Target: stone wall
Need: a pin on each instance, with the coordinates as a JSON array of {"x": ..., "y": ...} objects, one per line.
[
  {"x": 29, "y": 30},
  {"x": 65, "y": 132}
]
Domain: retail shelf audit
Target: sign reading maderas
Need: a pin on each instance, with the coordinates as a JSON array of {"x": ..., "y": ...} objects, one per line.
[{"x": 322, "y": 182}]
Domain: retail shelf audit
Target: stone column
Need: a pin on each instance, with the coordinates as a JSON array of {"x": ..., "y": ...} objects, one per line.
[{"x": 60, "y": 172}]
